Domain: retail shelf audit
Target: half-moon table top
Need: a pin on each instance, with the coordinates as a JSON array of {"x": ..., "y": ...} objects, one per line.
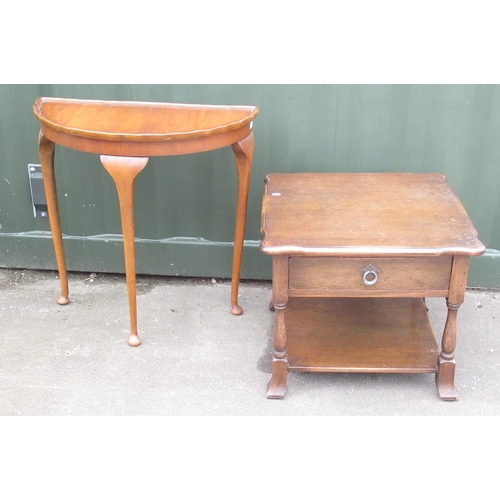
[{"x": 148, "y": 128}]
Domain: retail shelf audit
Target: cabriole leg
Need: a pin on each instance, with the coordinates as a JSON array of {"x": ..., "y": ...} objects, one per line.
[
  {"x": 243, "y": 154},
  {"x": 124, "y": 170},
  {"x": 46, "y": 150}
]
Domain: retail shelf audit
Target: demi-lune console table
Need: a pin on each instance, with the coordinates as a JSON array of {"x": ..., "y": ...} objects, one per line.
[
  {"x": 354, "y": 256},
  {"x": 126, "y": 134}
]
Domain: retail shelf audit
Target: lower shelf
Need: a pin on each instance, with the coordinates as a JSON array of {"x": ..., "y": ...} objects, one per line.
[{"x": 385, "y": 335}]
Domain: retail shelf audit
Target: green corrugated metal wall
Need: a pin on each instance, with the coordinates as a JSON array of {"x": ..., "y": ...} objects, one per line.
[{"x": 185, "y": 205}]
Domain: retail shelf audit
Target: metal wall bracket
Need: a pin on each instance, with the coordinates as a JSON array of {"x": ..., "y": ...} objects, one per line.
[{"x": 38, "y": 201}]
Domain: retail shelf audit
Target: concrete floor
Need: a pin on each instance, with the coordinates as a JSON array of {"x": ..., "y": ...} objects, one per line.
[{"x": 196, "y": 359}]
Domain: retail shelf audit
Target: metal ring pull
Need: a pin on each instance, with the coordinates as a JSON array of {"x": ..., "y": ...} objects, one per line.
[{"x": 370, "y": 275}]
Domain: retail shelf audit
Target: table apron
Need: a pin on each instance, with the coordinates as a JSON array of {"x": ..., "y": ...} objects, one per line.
[{"x": 146, "y": 148}]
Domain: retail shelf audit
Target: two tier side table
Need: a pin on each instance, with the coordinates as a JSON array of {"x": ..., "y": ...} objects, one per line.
[{"x": 354, "y": 257}]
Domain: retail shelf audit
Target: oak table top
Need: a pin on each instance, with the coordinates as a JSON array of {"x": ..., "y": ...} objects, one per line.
[{"x": 344, "y": 214}]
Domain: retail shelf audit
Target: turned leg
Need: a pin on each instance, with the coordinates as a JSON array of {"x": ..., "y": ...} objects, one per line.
[
  {"x": 46, "y": 150},
  {"x": 124, "y": 170},
  {"x": 445, "y": 377},
  {"x": 276, "y": 387},
  {"x": 446, "y": 361},
  {"x": 243, "y": 153}
]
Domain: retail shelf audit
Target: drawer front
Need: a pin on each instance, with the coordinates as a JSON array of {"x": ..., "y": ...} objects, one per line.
[{"x": 367, "y": 276}]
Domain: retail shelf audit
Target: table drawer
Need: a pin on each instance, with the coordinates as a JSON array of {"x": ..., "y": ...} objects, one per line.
[{"x": 365, "y": 276}]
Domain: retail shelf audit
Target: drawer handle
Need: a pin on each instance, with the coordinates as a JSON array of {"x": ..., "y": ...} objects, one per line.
[{"x": 370, "y": 275}]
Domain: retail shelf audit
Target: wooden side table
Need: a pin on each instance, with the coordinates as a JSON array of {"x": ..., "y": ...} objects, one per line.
[
  {"x": 354, "y": 256},
  {"x": 125, "y": 135}
]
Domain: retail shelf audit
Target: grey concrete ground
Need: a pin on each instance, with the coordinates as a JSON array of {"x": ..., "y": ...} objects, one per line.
[{"x": 196, "y": 359}]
